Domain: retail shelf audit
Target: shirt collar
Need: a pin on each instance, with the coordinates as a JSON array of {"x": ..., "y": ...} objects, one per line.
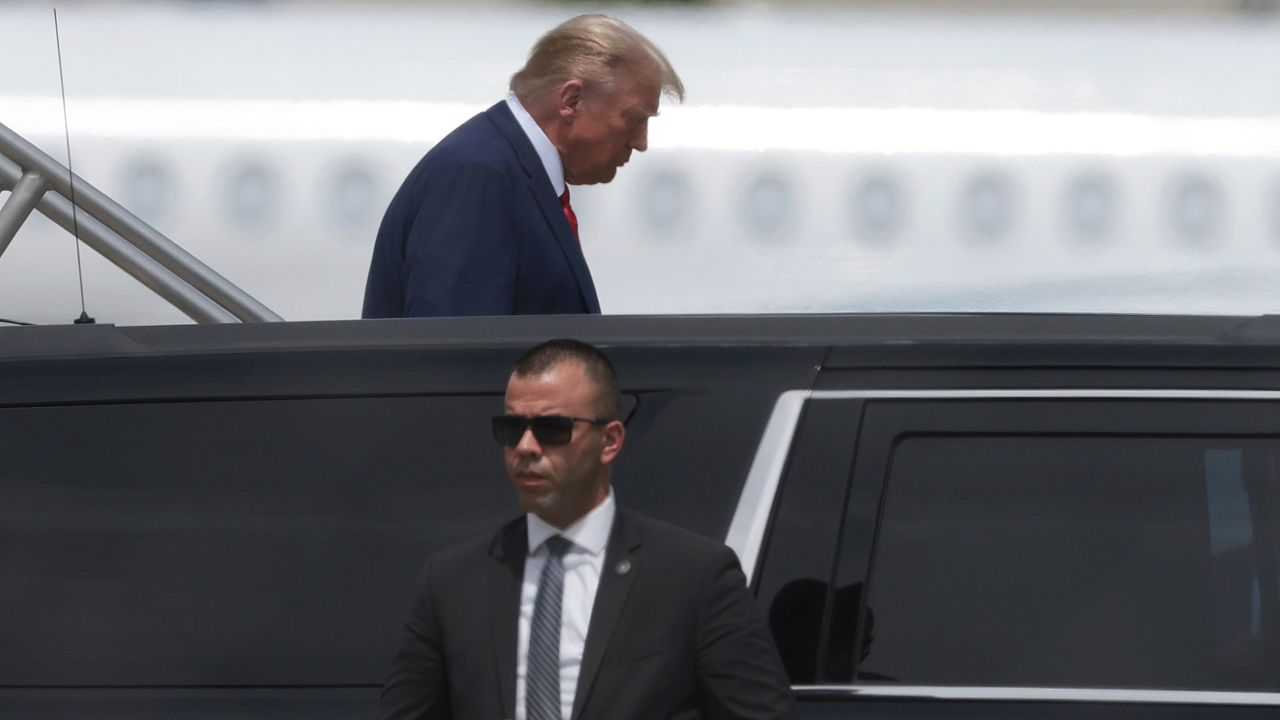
[
  {"x": 590, "y": 532},
  {"x": 547, "y": 152}
]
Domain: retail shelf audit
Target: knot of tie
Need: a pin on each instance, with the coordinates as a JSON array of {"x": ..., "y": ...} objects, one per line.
[{"x": 558, "y": 545}]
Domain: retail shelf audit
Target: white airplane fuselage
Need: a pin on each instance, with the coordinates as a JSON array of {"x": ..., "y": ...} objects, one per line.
[{"x": 823, "y": 162}]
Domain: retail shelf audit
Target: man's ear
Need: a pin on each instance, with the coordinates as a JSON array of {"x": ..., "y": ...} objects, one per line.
[
  {"x": 569, "y": 100},
  {"x": 614, "y": 435}
]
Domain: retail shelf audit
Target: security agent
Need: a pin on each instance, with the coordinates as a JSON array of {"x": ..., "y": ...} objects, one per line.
[
  {"x": 484, "y": 225},
  {"x": 581, "y": 608}
]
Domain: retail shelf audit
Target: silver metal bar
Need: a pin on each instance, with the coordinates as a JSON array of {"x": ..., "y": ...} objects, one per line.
[
  {"x": 1043, "y": 694},
  {"x": 1046, "y": 394},
  {"x": 133, "y": 261},
  {"x": 22, "y": 200},
  {"x": 128, "y": 226},
  {"x": 750, "y": 519},
  {"x": 146, "y": 270}
]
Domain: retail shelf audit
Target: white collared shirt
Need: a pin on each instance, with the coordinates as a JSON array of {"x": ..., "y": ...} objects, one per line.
[
  {"x": 547, "y": 152},
  {"x": 582, "y": 565}
]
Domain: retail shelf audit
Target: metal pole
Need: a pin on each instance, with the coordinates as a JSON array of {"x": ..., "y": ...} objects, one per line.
[
  {"x": 128, "y": 226},
  {"x": 26, "y": 193},
  {"x": 133, "y": 261}
]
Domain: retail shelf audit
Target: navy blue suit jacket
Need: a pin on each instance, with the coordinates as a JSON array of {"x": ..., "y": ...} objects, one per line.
[{"x": 477, "y": 229}]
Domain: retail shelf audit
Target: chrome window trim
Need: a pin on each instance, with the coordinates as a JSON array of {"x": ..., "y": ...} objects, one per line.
[
  {"x": 755, "y": 503},
  {"x": 1044, "y": 694},
  {"x": 759, "y": 492},
  {"x": 1076, "y": 394}
]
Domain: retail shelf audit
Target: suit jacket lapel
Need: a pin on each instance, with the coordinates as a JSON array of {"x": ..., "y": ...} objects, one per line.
[
  {"x": 548, "y": 203},
  {"x": 506, "y": 574},
  {"x": 611, "y": 596}
]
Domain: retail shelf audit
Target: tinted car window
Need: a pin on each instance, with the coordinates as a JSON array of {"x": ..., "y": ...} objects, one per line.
[
  {"x": 794, "y": 579},
  {"x": 1075, "y": 559}
]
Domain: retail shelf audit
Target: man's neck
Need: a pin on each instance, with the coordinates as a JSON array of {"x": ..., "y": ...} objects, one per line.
[
  {"x": 591, "y": 530},
  {"x": 542, "y": 141},
  {"x": 544, "y": 114}
]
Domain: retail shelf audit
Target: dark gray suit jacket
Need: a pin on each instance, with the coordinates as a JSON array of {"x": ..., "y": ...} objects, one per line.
[{"x": 675, "y": 635}]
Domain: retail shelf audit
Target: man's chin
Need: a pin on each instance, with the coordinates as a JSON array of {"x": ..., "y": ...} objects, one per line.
[
  {"x": 534, "y": 502},
  {"x": 603, "y": 176}
]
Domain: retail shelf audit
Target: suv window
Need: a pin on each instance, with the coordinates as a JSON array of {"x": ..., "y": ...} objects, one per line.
[
  {"x": 1057, "y": 538},
  {"x": 1076, "y": 559}
]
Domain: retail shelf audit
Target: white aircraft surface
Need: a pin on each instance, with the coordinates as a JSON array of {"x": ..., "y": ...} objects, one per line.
[{"x": 825, "y": 161}]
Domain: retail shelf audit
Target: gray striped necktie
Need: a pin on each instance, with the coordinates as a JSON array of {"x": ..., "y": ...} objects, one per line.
[{"x": 542, "y": 686}]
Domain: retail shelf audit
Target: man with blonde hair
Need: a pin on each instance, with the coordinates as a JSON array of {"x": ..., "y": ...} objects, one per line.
[{"x": 483, "y": 224}]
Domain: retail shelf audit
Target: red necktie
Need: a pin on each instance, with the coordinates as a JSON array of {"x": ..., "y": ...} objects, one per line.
[{"x": 568, "y": 214}]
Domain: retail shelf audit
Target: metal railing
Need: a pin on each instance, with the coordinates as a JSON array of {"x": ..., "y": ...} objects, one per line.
[{"x": 38, "y": 182}]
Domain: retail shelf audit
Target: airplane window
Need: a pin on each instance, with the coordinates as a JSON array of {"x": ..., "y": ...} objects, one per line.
[
  {"x": 251, "y": 196},
  {"x": 148, "y": 190},
  {"x": 353, "y": 197},
  {"x": 1196, "y": 208},
  {"x": 1275, "y": 212},
  {"x": 878, "y": 208},
  {"x": 769, "y": 204},
  {"x": 666, "y": 199},
  {"x": 1091, "y": 206},
  {"x": 988, "y": 206}
]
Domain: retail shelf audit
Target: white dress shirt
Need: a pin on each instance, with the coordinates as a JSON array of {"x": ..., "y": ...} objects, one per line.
[
  {"x": 582, "y": 566},
  {"x": 547, "y": 152}
]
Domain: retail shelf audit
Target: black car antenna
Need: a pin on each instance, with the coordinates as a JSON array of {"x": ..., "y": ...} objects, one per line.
[{"x": 84, "y": 318}]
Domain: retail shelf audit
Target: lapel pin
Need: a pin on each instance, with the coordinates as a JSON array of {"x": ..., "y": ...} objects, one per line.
[{"x": 623, "y": 567}]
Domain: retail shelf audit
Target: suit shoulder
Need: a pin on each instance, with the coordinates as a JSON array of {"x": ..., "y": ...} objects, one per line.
[
  {"x": 476, "y": 142},
  {"x": 467, "y": 155},
  {"x": 463, "y": 550},
  {"x": 469, "y": 552},
  {"x": 666, "y": 535}
]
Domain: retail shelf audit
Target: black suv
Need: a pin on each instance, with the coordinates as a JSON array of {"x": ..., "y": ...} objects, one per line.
[{"x": 998, "y": 516}]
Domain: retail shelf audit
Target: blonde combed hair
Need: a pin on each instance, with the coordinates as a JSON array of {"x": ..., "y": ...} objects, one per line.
[{"x": 590, "y": 48}]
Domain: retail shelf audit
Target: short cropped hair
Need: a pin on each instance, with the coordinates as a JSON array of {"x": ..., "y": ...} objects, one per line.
[
  {"x": 590, "y": 48},
  {"x": 543, "y": 357}
]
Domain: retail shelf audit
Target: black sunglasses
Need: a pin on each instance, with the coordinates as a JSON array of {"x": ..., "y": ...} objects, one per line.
[{"x": 547, "y": 429}]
